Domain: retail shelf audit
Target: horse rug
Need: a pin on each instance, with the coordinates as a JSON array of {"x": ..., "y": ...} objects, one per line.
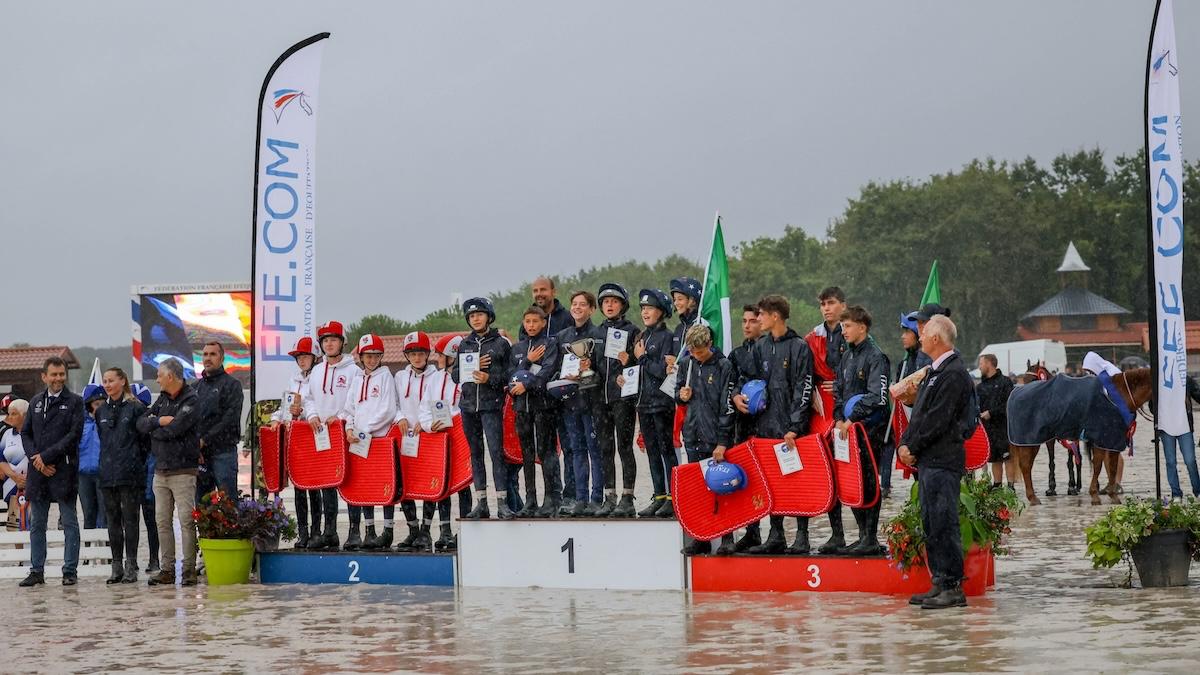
[
  {"x": 705, "y": 515},
  {"x": 855, "y": 473},
  {"x": 372, "y": 480},
  {"x": 313, "y": 469},
  {"x": 274, "y": 466},
  {"x": 1065, "y": 407},
  {"x": 806, "y": 489}
]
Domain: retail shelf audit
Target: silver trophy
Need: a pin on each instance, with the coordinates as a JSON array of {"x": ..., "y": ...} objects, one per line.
[{"x": 583, "y": 350}]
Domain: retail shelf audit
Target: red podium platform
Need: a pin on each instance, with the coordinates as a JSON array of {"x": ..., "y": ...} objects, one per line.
[{"x": 789, "y": 574}]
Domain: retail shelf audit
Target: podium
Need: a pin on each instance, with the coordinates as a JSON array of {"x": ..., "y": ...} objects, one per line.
[
  {"x": 395, "y": 569},
  {"x": 592, "y": 553}
]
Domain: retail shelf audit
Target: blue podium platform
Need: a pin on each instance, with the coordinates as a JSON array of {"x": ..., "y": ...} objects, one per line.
[{"x": 395, "y": 569}]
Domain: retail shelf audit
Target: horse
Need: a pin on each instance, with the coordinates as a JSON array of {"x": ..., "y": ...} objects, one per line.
[
  {"x": 1035, "y": 371},
  {"x": 1134, "y": 387}
]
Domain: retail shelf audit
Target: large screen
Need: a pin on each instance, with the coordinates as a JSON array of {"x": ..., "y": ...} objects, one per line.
[{"x": 176, "y": 326}]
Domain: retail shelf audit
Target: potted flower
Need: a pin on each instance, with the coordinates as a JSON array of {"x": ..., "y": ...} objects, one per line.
[
  {"x": 985, "y": 514},
  {"x": 1159, "y": 539},
  {"x": 230, "y": 530}
]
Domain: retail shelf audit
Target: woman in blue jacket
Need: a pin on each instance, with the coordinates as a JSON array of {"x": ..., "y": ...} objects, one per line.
[{"x": 90, "y": 498}]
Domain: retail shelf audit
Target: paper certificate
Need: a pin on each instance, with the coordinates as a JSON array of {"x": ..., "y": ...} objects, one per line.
[
  {"x": 570, "y": 366},
  {"x": 841, "y": 447},
  {"x": 361, "y": 445},
  {"x": 789, "y": 460},
  {"x": 468, "y": 365},
  {"x": 409, "y": 444},
  {"x": 290, "y": 398},
  {"x": 321, "y": 436},
  {"x": 615, "y": 344},
  {"x": 668, "y": 385},
  {"x": 631, "y": 381},
  {"x": 441, "y": 413}
]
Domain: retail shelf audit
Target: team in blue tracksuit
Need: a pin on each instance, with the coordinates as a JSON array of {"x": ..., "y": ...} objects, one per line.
[
  {"x": 655, "y": 353},
  {"x": 535, "y": 364}
]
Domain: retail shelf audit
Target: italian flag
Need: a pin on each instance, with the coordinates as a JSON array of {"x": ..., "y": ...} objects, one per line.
[{"x": 714, "y": 303}]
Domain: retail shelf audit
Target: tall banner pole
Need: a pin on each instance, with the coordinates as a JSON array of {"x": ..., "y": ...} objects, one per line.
[
  {"x": 1164, "y": 238},
  {"x": 283, "y": 221}
]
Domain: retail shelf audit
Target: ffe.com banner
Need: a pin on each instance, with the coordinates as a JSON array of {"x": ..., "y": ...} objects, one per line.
[
  {"x": 1164, "y": 141},
  {"x": 283, "y": 273}
]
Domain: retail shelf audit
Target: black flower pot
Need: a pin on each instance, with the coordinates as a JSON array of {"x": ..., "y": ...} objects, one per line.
[{"x": 1163, "y": 559}]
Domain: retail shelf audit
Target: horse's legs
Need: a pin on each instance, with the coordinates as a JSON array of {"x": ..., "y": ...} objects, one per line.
[
  {"x": 1050, "y": 484},
  {"x": 1111, "y": 465},
  {"x": 1025, "y": 457},
  {"x": 1097, "y": 462},
  {"x": 1074, "y": 473}
]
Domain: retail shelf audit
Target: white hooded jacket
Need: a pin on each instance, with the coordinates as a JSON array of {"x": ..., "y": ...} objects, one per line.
[
  {"x": 328, "y": 388},
  {"x": 411, "y": 392},
  {"x": 297, "y": 383},
  {"x": 371, "y": 404},
  {"x": 440, "y": 386}
]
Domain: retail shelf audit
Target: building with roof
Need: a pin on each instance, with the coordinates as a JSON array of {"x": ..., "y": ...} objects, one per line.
[
  {"x": 1081, "y": 319},
  {"x": 21, "y": 368}
]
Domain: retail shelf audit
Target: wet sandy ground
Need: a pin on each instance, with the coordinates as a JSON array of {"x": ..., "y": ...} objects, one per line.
[{"x": 1048, "y": 611}]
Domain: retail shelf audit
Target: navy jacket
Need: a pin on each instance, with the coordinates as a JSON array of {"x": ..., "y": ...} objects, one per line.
[
  {"x": 710, "y": 412},
  {"x": 582, "y": 400},
  {"x": 489, "y": 395},
  {"x": 535, "y": 397},
  {"x": 935, "y": 433},
  {"x": 220, "y": 399},
  {"x": 558, "y": 319},
  {"x": 609, "y": 369},
  {"x": 660, "y": 344},
  {"x": 53, "y": 431},
  {"x": 993, "y": 393},
  {"x": 122, "y": 454},
  {"x": 786, "y": 365},
  {"x": 863, "y": 370},
  {"x": 176, "y": 447}
]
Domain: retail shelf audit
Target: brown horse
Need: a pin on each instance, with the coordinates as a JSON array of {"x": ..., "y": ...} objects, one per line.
[{"x": 1135, "y": 386}]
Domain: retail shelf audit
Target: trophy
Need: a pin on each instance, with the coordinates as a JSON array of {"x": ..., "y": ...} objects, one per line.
[{"x": 583, "y": 350}]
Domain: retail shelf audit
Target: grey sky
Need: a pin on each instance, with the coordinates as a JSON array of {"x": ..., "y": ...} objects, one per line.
[{"x": 467, "y": 146}]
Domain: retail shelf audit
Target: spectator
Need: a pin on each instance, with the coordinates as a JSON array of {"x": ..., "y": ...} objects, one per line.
[
  {"x": 172, "y": 423},
  {"x": 122, "y": 467},
  {"x": 993, "y": 391},
  {"x": 933, "y": 442},
  {"x": 13, "y": 462},
  {"x": 220, "y": 398},
  {"x": 50, "y": 438},
  {"x": 142, "y": 392},
  {"x": 90, "y": 498}
]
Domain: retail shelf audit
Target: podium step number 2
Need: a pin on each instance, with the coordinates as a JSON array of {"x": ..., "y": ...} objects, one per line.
[{"x": 572, "y": 554}]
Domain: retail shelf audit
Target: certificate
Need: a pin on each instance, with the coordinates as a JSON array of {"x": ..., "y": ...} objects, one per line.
[
  {"x": 468, "y": 365},
  {"x": 361, "y": 445},
  {"x": 321, "y": 436},
  {"x": 615, "y": 343},
  {"x": 789, "y": 460},
  {"x": 409, "y": 444},
  {"x": 570, "y": 366},
  {"x": 630, "y": 387},
  {"x": 290, "y": 398},
  {"x": 441, "y": 412},
  {"x": 668, "y": 385},
  {"x": 841, "y": 447}
]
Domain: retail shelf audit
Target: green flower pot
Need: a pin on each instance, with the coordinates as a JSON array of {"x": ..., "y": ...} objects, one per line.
[{"x": 227, "y": 561}]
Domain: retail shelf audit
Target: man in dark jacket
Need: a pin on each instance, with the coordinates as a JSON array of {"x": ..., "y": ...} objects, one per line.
[
  {"x": 220, "y": 398},
  {"x": 172, "y": 423},
  {"x": 913, "y": 359},
  {"x": 50, "y": 437},
  {"x": 482, "y": 403},
  {"x": 614, "y": 416},
  {"x": 783, "y": 360},
  {"x": 860, "y": 395},
  {"x": 705, "y": 389},
  {"x": 993, "y": 391},
  {"x": 933, "y": 443}
]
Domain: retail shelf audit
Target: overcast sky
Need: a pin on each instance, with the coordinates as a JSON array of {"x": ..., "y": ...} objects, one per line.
[{"x": 466, "y": 146}]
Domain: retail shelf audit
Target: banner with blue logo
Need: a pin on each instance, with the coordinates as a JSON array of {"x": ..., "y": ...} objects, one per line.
[
  {"x": 283, "y": 268},
  {"x": 1164, "y": 150}
]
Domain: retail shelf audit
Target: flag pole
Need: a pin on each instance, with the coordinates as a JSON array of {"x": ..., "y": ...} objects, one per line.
[{"x": 1151, "y": 314}]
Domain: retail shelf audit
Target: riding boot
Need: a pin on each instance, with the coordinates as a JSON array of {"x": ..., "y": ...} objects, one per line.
[
  {"x": 329, "y": 511},
  {"x": 727, "y": 547},
  {"x": 446, "y": 541},
  {"x": 697, "y": 547},
  {"x": 354, "y": 539},
  {"x": 502, "y": 510},
  {"x": 550, "y": 507},
  {"x": 749, "y": 540},
  {"x": 649, "y": 511},
  {"x": 409, "y": 543},
  {"x": 837, "y": 540},
  {"x": 370, "y": 542},
  {"x": 530, "y": 508},
  {"x": 775, "y": 542},
  {"x": 118, "y": 572},
  {"x": 870, "y": 543},
  {"x": 302, "y": 523},
  {"x": 800, "y": 546},
  {"x": 857, "y": 547},
  {"x": 624, "y": 507},
  {"x": 666, "y": 509},
  {"x": 1050, "y": 484},
  {"x": 315, "y": 538},
  {"x": 610, "y": 503},
  {"x": 384, "y": 541},
  {"x": 423, "y": 542},
  {"x": 480, "y": 512}
]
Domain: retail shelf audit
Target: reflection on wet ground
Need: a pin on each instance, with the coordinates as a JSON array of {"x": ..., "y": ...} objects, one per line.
[{"x": 1049, "y": 610}]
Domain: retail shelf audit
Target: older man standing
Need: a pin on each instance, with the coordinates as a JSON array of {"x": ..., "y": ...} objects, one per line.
[
  {"x": 50, "y": 437},
  {"x": 173, "y": 426},
  {"x": 933, "y": 443},
  {"x": 220, "y": 398}
]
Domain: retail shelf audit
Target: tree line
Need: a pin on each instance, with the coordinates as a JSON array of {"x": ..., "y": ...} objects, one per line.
[{"x": 997, "y": 228}]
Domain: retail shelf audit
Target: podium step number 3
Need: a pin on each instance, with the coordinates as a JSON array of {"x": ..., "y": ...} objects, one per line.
[{"x": 630, "y": 555}]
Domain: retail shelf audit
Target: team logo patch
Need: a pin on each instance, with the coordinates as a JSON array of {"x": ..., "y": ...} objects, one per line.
[
  {"x": 375, "y": 391},
  {"x": 341, "y": 380}
]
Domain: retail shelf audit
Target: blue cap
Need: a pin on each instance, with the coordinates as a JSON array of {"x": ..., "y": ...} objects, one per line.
[
  {"x": 849, "y": 407},
  {"x": 909, "y": 321},
  {"x": 562, "y": 390},
  {"x": 521, "y": 377},
  {"x": 755, "y": 392},
  {"x": 724, "y": 478},
  {"x": 688, "y": 286},
  {"x": 92, "y": 392},
  {"x": 479, "y": 305},
  {"x": 654, "y": 297}
]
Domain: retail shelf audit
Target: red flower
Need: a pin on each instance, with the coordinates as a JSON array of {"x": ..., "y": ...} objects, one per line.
[
  {"x": 195, "y": 514},
  {"x": 1004, "y": 513},
  {"x": 216, "y": 498}
]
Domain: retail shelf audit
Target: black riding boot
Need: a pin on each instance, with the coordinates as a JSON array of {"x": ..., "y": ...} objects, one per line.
[
  {"x": 624, "y": 507},
  {"x": 652, "y": 508},
  {"x": 800, "y": 546},
  {"x": 384, "y": 541},
  {"x": 727, "y": 547},
  {"x": 302, "y": 521},
  {"x": 329, "y": 511},
  {"x": 529, "y": 510},
  {"x": 752, "y": 538},
  {"x": 423, "y": 543},
  {"x": 370, "y": 541},
  {"x": 775, "y": 542},
  {"x": 446, "y": 541},
  {"x": 409, "y": 543},
  {"x": 610, "y": 503},
  {"x": 354, "y": 539},
  {"x": 480, "y": 512},
  {"x": 502, "y": 510},
  {"x": 837, "y": 540}
]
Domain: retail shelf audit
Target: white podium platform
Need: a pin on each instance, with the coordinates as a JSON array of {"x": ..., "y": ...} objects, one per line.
[{"x": 599, "y": 553}]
